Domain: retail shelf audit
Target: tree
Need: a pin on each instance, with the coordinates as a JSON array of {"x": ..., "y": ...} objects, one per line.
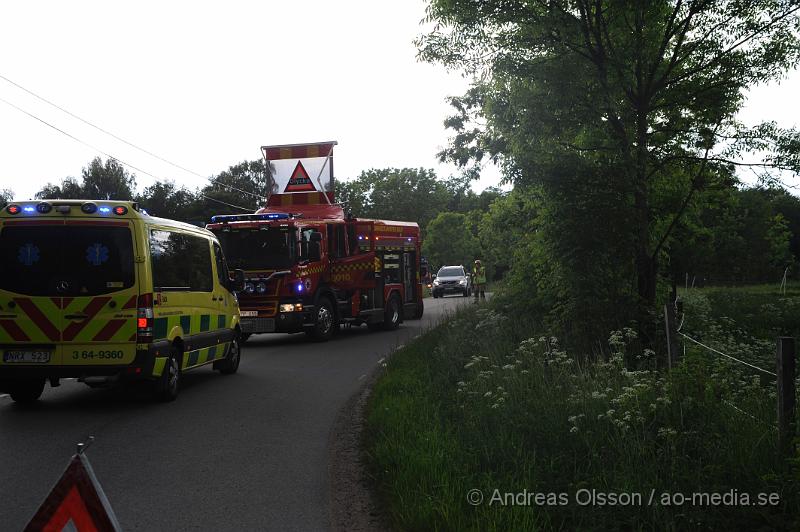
[
  {"x": 639, "y": 97},
  {"x": 6, "y": 195},
  {"x": 396, "y": 194},
  {"x": 240, "y": 189},
  {"x": 69, "y": 189},
  {"x": 165, "y": 200},
  {"x": 108, "y": 181},
  {"x": 99, "y": 181},
  {"x": 449, "y": 240}
]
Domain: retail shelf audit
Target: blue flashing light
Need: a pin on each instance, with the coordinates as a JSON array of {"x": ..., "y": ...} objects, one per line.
[
  {"x": 28, "y": 208},
  {"x": 361, "y": 237},
  {"x": 104, "y": 209},
  {"x": 245, "y": 217},
  {"x": 300, "y": 287}
]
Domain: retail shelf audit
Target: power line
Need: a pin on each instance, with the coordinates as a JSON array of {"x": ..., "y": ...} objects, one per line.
[
  {"x": 151, "y": 154},
  {"x": 108, "y": 155}
]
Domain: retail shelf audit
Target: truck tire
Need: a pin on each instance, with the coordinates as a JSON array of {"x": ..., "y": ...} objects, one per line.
[
  {"x": 229, "y": 364},
  {"x": 419, "y": 310},
  {"x": 393, "y": 314},
  {"x": 168, "y": 385},
  {"x": 324, "y": 323},
  {"x": 27, "y": 391}
]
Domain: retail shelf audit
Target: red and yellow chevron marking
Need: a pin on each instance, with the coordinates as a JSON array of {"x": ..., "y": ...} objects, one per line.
[
  {"x": 302, "y": 198},
  {"x": 38, "y": 318},
  {"x": 298, "y": 152},
  {"x": 95, "y": 305},
  {"x": 104, "y": 323},
  {"x": 40, "y": 324},
  {"x": 14, "y": 331}
]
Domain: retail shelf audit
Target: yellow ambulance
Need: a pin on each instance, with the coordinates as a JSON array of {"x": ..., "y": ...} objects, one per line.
[{"x": 102, "y": 292}]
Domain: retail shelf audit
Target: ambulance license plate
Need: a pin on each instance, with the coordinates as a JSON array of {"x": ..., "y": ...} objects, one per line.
[
  {"x": 248, "y": 313},
  {"x": 27, "y": 357}
]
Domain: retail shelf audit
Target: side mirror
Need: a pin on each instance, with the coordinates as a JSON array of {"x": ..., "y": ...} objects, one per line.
[{"x": 237, "y": 283}]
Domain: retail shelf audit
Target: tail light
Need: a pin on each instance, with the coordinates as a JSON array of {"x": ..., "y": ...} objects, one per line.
[{"x": 144, "y": 319}]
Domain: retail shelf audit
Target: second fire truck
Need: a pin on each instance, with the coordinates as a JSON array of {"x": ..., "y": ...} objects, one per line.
[{"x": 309, "y": 267}]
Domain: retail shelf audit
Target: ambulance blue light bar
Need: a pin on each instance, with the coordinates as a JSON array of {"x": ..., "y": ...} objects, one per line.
[{"x": 250, "y": 217}]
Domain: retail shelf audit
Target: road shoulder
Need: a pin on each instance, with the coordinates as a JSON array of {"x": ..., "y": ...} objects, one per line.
[{"x": 352, "y": 503}]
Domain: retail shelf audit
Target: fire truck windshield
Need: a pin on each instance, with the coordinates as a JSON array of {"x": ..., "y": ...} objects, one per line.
[{"x": 266, "y": 248}]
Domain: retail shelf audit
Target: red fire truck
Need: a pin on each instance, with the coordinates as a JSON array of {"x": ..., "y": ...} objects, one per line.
[{"x": 310, "y": 267}]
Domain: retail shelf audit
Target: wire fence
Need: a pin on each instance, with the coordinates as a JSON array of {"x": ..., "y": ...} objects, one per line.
[{"x": 784, "y": 376}]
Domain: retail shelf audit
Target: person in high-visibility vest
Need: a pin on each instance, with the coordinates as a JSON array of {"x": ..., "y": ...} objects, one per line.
[{"x": 479, "y": 279}]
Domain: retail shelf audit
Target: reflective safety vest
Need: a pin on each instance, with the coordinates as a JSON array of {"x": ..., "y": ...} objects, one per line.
[{"x": 480, "y": 274}]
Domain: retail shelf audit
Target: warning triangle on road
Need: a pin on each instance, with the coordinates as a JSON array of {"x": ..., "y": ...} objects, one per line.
[
  {"x": 299, "y": 182},
  {"x": 76, "y": 502}
]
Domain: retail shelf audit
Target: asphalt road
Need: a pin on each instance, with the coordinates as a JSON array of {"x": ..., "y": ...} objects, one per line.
[{"x": 240, "y": 452}]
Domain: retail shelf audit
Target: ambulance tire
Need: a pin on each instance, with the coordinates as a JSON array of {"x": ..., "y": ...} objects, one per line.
[
  {"x": 229, "y": 364},
  {"x": 27, "y": 391},
  {"x": 393, "y": 314},
  {"x": 168, "y": 385},
  {"x": 325, "y": 321}
]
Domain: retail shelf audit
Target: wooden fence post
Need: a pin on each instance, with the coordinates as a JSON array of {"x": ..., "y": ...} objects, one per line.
[
  {"x": 786, "y": 393},
  {"x": 669, "y": 329}
]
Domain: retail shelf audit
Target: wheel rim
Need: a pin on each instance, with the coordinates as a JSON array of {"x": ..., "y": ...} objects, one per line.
[
  {"x": 324, "y": 319},
  {"x": 395, "y": 313},
  {"x": 234, "y": 353},
  {"x": 173, "y": 374}
]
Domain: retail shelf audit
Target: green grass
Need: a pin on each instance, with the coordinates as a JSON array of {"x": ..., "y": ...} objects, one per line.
[{"x": 479, "y": 404}]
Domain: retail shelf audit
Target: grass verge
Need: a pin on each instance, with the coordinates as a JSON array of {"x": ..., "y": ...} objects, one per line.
[{"x": 555, "y": 442}]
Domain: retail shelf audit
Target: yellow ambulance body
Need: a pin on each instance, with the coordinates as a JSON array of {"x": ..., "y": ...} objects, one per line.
[{"x": 103, "y": 292}]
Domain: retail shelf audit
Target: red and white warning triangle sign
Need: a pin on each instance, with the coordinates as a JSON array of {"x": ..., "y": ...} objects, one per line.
[
  {"x": 299, "y": 182},
  {"x": 76, "y": 503}
]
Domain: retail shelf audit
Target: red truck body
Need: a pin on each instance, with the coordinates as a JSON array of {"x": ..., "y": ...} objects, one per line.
[{"x": 309, "y": 267}]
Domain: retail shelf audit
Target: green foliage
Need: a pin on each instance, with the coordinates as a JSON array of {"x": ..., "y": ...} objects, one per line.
[
  {"x": 410, "y": 194},
  {"x": 99, "y": 180},
  {"x": 618, "y": 113},
  {"x": 484, "y": 402},
  {"x": 165, "y": 200},
  {"x": 396, "y": 194},
  {"x": 6, "y": 195},
  {"x": 735, "y": 236},
  {"x": 449, "y": 241},
  {"x": 242, "y": 185}
]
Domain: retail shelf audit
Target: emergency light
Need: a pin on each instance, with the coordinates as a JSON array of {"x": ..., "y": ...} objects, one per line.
[{"x": 225, "y": 218}]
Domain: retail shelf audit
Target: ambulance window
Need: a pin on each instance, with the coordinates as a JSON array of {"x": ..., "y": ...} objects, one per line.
[
  {"x": 66, "y": 260},
  {"x": 222, "y": 267},
  {"x": 180, "y": 262}
]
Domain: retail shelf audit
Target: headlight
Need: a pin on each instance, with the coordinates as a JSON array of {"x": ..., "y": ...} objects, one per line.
[
  {"x": 287, "y": 307},
  {"x": 462, "y": 282},
  {"x": 249, "y": 287},
  {"x": 436, "y": 282},
  {"x": 261, "y": 287}
]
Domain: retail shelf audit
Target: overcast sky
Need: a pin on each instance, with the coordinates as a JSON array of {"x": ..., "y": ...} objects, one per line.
[{"x": 204, "y": 85}]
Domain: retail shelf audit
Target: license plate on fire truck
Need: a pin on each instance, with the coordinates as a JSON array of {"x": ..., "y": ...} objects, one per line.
[{"x": 248, "y": 313}]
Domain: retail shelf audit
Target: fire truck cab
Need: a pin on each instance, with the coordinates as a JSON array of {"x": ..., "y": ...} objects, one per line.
[{"x": 309, "y": 267}]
